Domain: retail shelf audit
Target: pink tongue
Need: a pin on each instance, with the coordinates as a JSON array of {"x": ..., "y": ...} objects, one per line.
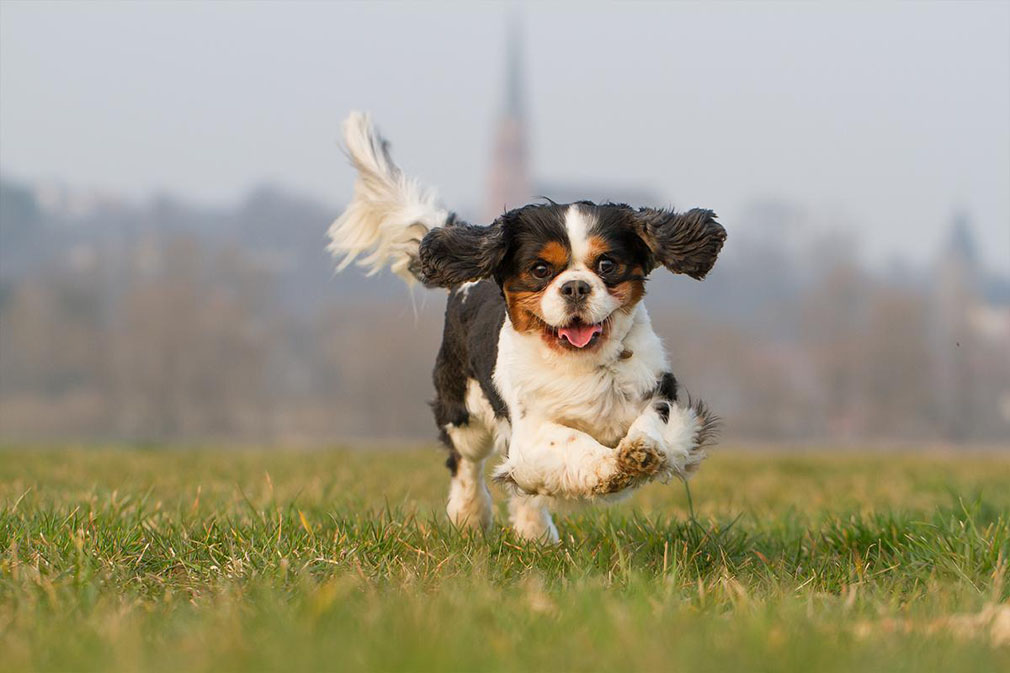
[{"x": 579, "y": 335}]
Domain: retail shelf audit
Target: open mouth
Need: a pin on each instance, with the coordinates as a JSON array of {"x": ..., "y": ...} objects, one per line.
[{"x": 577, "y": 334}]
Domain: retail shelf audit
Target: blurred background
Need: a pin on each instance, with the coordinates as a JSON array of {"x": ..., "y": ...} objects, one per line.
[{"x": 168, "y": 172}]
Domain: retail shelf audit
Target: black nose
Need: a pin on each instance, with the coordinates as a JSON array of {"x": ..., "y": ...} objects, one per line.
[{"x": 574, "y": 290}]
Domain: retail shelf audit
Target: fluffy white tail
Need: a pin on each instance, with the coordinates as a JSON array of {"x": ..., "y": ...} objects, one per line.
[{"x": 389, "y": 213}]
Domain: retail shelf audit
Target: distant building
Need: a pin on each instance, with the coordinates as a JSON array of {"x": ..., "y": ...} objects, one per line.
[
  {"x": 970, "y": 329},
  {"x": 509, "y": 183}
]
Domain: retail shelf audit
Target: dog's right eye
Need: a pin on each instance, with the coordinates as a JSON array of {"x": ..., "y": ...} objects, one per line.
[{"x": 540, "y": 270}]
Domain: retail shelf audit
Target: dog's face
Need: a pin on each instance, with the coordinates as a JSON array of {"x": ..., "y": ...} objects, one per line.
[
  {"x": 569, "y": 270},
  {"x": 566, "y": 270}
]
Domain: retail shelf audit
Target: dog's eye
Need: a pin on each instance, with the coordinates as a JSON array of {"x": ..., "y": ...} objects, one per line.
[
  {"x": 606, "y": 265},
  {"x": 540, "y": 270}
]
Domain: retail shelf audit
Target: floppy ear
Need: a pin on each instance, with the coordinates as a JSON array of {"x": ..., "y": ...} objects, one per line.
[
  {"x": 682, "y": 242},
  {"x": 460, "y": 252}
]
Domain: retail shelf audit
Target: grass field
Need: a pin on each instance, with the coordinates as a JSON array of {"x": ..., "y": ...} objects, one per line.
[{"x": 342, "y": 560}]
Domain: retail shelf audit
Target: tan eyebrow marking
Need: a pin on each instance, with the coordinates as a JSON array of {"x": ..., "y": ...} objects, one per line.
[
  {"x": 555, "y": 254},
  {"x": 596, "y": 247}
]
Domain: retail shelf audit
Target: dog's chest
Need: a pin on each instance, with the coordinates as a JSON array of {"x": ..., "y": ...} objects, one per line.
[{"x": 601, "y": 401}]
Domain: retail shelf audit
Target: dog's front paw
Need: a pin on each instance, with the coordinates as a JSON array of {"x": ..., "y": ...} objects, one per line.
[
  {"x": 681, "y": 434},
  {"x": 639, "y": 458}
]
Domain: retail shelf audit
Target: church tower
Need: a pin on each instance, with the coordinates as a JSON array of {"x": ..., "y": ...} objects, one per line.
[{"x": 509, "y": 181}]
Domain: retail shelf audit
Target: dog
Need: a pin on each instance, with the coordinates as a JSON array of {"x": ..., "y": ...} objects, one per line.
[{"x": 548, "y": 356}]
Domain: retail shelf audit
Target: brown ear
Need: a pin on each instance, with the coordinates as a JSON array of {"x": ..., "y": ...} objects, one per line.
[
  {"x": 460, "y": 252},
  {"x": 687, "y": 243}
]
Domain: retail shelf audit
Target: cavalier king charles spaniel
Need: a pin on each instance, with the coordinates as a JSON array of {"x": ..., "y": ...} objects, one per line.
[{"x": 548, "y": 356}]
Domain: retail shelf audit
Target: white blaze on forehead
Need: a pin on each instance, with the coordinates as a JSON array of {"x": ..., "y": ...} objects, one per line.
[{"x": 577, "y": 223}]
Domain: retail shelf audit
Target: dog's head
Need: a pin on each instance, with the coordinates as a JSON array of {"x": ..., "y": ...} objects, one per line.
[{"x": 565, "y": 270}]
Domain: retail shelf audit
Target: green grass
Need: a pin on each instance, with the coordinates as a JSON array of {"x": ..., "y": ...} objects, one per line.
[{"x": 342, "y": 560}]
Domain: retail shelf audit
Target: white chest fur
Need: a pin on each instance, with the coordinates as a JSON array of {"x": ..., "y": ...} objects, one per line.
[{"x": 600, "y": 393}]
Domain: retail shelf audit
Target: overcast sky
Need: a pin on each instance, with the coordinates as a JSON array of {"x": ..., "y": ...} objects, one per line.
[{"x": 882, "y": 117}]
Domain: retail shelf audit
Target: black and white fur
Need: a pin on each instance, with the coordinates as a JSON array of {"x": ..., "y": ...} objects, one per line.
[{"x": 559, "y": 372}]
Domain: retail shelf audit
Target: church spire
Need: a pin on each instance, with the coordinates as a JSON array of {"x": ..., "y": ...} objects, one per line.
[
  {"x": 961, "y": 241},
  {"x": 514, "y": 91},
  {"x": 509, "y": 181}
]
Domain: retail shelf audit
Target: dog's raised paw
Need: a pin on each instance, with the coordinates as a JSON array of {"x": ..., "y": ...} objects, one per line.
[{"x": 639, "y": 457}]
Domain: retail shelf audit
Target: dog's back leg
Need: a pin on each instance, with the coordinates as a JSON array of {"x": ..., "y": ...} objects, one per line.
[
  {"x": 469, "y": 503},
  {"x": 531, "y": 519},
  {"x": 464, "y": 416}
]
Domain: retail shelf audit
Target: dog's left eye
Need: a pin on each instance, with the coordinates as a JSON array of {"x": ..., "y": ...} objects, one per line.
[{"x": 606, "y": 265}]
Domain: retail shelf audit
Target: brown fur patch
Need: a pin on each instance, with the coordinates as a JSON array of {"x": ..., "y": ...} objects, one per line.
[
  {"x": 554, "y": 254},
  {"x": 597, "y": 247},
  {"x": 629, "y": 293},
  {"x": 522, "y": 306}
]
